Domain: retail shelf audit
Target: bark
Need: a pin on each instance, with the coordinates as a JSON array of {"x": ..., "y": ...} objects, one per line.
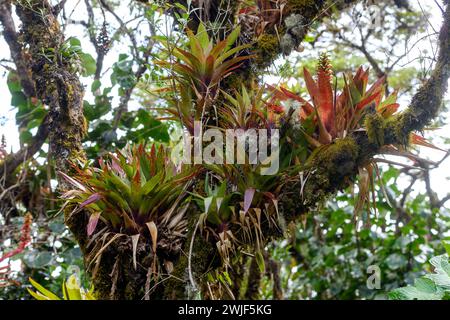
[
  {"x": 59, "y": 87},
  {"x": 20, "y": 58},
  {"x": 22, "y": 61},
  {"x": 12, "y": 161}
]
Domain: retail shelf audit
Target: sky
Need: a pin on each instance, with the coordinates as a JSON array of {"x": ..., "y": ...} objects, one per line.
[{"x": 8, "y": 128}]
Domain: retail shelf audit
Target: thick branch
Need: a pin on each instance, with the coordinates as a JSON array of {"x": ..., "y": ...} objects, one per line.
[
  {"x": 56, "y": 85},
  {"x": 14, "y": 160},
  {"x": 335, "y": 166},
  {"x": 59, "y": 87},
  {"x": 17, "y": 54}
]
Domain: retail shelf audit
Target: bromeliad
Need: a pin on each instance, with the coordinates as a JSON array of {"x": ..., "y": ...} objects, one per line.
[{"x": 200, "y": 69}]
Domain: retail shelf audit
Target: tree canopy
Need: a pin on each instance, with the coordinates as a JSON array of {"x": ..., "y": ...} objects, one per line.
[{"x": 334, "y": 189}]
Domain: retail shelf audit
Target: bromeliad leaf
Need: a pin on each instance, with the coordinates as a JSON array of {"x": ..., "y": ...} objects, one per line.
[
  {"x": 92, "y": 199},
  {"x": 130, "y": 189},
  {"x": 248, "y": 198},
  {"x": 135, "y": 240},
  {"x": 93, "y": 221}
]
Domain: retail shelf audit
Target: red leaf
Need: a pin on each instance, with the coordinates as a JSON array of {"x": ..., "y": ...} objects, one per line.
[
  {"x": 421, "y": 141},
  {"x": 325, "y": 100},
  {"x": 311, "y": 85},
  {"x": 361, "y": 79},
  {"x": 283, "y": 94},
  {"x": 368, "y": 100},
  {"x": 72, "y": 181},
  {"x": 389, "y": 110},
  {"x": 377, "y": 85}
]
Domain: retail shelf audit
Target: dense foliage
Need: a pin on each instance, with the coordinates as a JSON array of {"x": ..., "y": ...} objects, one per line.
[{"x": 119, "y": 215}]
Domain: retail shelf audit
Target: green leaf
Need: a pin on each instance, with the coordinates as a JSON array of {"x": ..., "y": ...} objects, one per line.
[
  {"x": 88, "y": 63},
  {"x": 37, "y": 295},
  {"x": 425, "y": 285},
  {"x": 74, "y": 42},
  {"x": 446, "y": 245},
  {"x": 37, "y": 259},
  {"x": 413, "y": 293},
  {"x": 151, "y": 184},
  {"x": 18, "y": 99},
  {"x": 260, "y": 261},
  {"x": 25, "y": 137},
  {"x": 202, "y": 35},
  {"x": 50, "y": 295},
  {"x": 13, "y": 83},
  {"x": 72, "y": 288},
  {"x": 396, "y": 261},
  {"x": 95, "y": 85}
]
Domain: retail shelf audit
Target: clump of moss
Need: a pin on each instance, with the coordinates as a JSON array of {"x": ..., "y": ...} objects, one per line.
[
  {"x": 332, "y": 168},
  {"x": 338, "y": 158},
  {"x": 237, "y": 79},
  {"x": 267, "y": 48},
  {"x": 375, "y": 125},
  {"x": 300, "y": 4},
  {"x": 395, "y": 130}
]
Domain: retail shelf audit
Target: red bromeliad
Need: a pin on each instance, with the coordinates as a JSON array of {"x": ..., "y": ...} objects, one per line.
[
  {"x": 25, "y": 239},
  {"x": 335, "y": 115}
]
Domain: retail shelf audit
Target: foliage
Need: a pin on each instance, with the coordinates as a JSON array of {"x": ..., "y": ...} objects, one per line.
[
  {"x": 200, "y": 71},
  {"x": 433, "y": 286},
  {"x": 327, "y": 256},
  {"x": 336, "y": 115},
  {"x": 130, "y": 190},
  {"x": 70, "y": 288},
  {"x": 137, "y": 194}
]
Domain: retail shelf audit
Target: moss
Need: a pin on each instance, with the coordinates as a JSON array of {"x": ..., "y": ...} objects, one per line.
[
  {"x": 395, "y": 131},
  {"x": 178, "y": 287},
  {"x": 236, "y": 80},
  {"x": 267, "y": 48},
  {"x": 332, "y": 167},
  {"x": 300, "y": 4},
  {"x": 253, "y": 281},
  {"x": 329, "y": 168},
  {"x": 375, "y": 125}
]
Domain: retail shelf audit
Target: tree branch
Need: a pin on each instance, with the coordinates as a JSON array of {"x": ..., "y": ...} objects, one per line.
[
  {"x": 14, "y": 160},
  {"x": 336, "y": 165},
  {"x": 21, "y": 61}
]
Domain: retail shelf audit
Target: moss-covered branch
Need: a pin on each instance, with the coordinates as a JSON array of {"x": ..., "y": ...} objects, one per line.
[
  {"x": 334, "y": 166},
  {"x": 21, "y": 60},
  {"x": 58, "y": 87}
]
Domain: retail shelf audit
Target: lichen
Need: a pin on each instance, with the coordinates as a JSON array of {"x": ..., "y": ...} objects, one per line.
[
  {"x": 287, "y": 44},
  {"x": 294, "y": 33}
]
